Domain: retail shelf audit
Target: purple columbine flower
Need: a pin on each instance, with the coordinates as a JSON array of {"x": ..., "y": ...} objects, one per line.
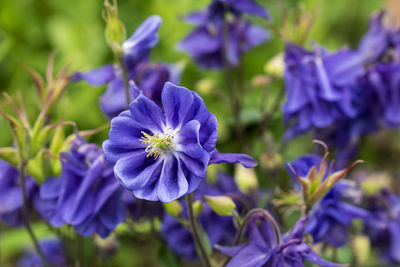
[
  {"x": 319, "y": 87},
  {"x": 162, "y": 154},
  {"x": 262, "y": 248},
  {"x": 11, "y": 201},
  {"x": 383, "y": 225},
  {"x": 143, "y": 76},
  {"x": 52, "y": 249},
  {"x": 335, "y": 212},
  {"x": 217, "y": 43},
  {"x": 86, "y": 194},
  {"x": 219, "y": 229}
]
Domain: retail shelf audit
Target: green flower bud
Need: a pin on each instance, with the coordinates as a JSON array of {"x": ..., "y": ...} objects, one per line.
[
  {"x": 222, "y": 205},
  {"x": 115, "y": 30},
  {"x": 246, "y": 179},
  {"x": 275, "y": 66},
  {"x": 197, "y": 208},
  {"x": 362, "y": 249},
  {"x": 173, "y": 208}
]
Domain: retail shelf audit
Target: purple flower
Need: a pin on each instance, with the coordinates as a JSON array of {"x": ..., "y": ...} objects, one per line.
[
  {"x": 334, "y": 213},
  {"x": 384, "y": 81},
  {"x": 383, "y": 225},
  {"x": 262, "y": 248},
  {"x": 86, "y": 194},
  {"x": 219, "y": 229},
  {"x": 11, "y": 201},
  {"x": 217, "y": 43},
  {"x": 319, "y": 87},
  {"x": 53, "y": 251},
  {"x": 149, "y": 77},
  {"x": 161, "y": 155}
]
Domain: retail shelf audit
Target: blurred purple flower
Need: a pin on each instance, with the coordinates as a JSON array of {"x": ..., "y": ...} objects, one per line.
[
  {"x": 219, "y": 229},
  {"x": 319, "y": 87},
  {"x": 149, "y": 77},
  {"x": 53, "y": 251},
  {"x": 11, "y": 201},
  {"x": 217, "y": 43},
  {"x": 161, "y": 155},
  {"x": 86, "y": 195},
  {"x": 383, "y": 225},
  {"x": 263, "y": 250}
]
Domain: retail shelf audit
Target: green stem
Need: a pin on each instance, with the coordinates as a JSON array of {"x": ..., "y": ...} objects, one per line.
[
  {"x": 25, "y": 213},
  {"x": 125, "y": 79},
  {"x": 232, "y": 90},
  {"x": 195, "y": 231}
]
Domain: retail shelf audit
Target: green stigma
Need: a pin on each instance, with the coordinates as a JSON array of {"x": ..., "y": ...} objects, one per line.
[{"x": 157, "y": 144}]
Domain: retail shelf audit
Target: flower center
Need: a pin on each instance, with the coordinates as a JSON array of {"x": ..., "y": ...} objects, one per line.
[{"x": 158, "y": 144}]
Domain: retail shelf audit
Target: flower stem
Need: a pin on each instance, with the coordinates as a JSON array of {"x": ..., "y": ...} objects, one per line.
[
  {"x": 195, "y": 231},
  {"x": 125, "y": 79},
  {"x": 245, "y": 221},
  {"x": 25, "y": 214}
]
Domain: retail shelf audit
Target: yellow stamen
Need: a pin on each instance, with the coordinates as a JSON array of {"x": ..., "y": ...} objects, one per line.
[{"x": 157, "y": 144}]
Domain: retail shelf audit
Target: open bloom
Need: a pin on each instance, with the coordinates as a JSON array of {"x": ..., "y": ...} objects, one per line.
[
  {"x": 86, "y": 194},
  {"x": 262, "y": 248},
  {"x": 163, "y": 154},
  {"x": 11, "y": 194}
]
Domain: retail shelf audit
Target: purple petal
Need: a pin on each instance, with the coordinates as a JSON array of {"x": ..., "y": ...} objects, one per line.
[
  {"x": 96, "y": 77},
  {"x": 245, "y": 160},
  {"x": 145, "y": 112}
]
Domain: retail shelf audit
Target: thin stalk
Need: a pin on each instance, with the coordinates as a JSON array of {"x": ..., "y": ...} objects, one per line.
[
  {"x": 246, "y": 219},
  {"x": 232, "y": 90},
  {"x": 195, "y": 231},
  {"x": 125, "y": 79},
  {"x": 25, "y": 213}
]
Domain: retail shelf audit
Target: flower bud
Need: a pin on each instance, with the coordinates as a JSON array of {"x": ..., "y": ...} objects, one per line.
[
  {"x": 173, "y": 208},
  {"x": 362, "y": 248},
  {"x": 222, "y": 205},
  {"x": 246, "y": 179},
  {"x": 10, "y": 155},
  {"x": 115, "y": 30},
  {"x": 275, "y": 66},
  {"x": 197, "y": 208}
]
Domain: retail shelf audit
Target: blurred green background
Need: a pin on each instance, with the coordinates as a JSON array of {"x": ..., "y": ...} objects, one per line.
[{"x": 31, "y": 29}]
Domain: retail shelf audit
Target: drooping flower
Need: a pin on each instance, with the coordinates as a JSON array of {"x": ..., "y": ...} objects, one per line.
[
  {"x": 86, "y": 195},
  {"x": 218, "y": 42},
  {"x": 161, "y": 155},
  {"x": 331, "y": 217},
  {"x": 53, "y": 251},
  {"x": 319, "y": 87},
  {"x": 11, "y": 201},
  {"x": 219, "y": 229},
  {"x": 383, "y": 225},
  {"x": 262, "y": 248}
]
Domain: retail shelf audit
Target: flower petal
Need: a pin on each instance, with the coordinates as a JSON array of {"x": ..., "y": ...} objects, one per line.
[{"x": 245, "y": 160}]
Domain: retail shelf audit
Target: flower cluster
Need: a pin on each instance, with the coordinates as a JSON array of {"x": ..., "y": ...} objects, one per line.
[{"x": 345, "y": 94}]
